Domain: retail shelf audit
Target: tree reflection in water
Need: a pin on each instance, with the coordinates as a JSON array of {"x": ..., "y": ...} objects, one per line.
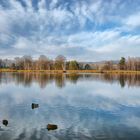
[
  {"x": 87, "y": 108},
  {"x": 60, "y": 80}
]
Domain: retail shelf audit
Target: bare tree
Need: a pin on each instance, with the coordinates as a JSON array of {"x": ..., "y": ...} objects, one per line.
[
  {"x": 60, "y": 62},
  {"x": 43, "y": 63},
  {"x": 108, "y": 65},
  {"x": 27, "y": 62}
]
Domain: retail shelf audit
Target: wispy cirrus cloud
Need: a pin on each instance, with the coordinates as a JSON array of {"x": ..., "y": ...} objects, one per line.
[
  {"x": 76, "y": 29},
  {"x": 133, "y": 21}
]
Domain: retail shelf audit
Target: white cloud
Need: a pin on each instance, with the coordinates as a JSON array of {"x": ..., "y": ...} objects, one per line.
[
  {"x": 53, "y": 4},
  {"x": 23, "y": 43},
  {"x": 56, "y": 29},
  {"x": 133, "y": 21}
]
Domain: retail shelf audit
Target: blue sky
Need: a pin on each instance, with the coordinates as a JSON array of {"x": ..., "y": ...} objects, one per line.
[{"x": 89, "y": 30}]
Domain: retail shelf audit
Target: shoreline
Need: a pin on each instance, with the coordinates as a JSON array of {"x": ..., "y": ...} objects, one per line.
[{"x": 73, "y": 71}]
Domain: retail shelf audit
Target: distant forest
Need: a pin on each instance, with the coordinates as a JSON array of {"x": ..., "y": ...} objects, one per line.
[{"x": 60, "y": 63}]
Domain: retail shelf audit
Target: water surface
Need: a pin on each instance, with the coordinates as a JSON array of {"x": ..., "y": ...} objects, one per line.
[{"x": 83, "y": 106}]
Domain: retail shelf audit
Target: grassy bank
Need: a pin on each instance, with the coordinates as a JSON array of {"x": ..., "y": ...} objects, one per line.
[
  {"x": 52, "y": 71},
  {"x": 75, "y": 71},
  {"x": 122, "y": 72}
]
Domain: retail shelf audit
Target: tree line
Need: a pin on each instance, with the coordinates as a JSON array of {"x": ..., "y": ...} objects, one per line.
[
  {"x": 42, "y": 63},
  {"x": 132, "y": 63},
  {"x": 60, "y": 63}
]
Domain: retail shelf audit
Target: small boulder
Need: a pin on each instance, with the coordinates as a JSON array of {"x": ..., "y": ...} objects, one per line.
[
  {"x": 33, "y": 106},
  {"x": 51, "y": 127},
  {"x": 5, "y": 122}
]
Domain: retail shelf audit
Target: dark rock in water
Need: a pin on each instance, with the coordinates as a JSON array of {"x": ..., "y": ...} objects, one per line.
[
  {"x": 51, "y": 127},
  {"x": 5, "y": 122},
  {"x": 64, "y": 71},
  {"x": 34, "y": 105}
]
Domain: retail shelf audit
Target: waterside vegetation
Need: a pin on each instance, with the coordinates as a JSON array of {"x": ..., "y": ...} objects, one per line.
[{"x": 61, "y": 65}]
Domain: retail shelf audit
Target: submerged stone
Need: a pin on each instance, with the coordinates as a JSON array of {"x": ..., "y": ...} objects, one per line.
[
  {"x": 5, "y": 122},
  {"x": 51, "y": 127},
  {"x": 33, "y": 106}
]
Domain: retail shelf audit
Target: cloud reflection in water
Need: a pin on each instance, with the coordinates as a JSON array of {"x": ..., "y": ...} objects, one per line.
[{"x": 83, "y": 106}]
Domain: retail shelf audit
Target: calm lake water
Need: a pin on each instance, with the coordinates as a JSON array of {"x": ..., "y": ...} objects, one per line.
[{"x": 83, "y": 106}]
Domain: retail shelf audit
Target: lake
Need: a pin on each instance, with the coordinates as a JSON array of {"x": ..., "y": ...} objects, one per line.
[{"x": 83, "y": 106}]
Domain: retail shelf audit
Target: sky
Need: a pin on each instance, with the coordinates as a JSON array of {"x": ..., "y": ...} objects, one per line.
[{"x": 85, "y": 30}]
